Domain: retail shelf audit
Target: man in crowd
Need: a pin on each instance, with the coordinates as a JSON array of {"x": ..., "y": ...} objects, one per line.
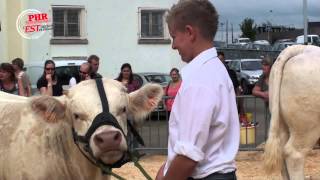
[
  {"x": 94, "y": 62},
  {"x": 84, "y": 74}
]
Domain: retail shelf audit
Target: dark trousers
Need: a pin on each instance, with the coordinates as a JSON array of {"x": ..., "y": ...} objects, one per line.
[{"x": 219, "y": 176}]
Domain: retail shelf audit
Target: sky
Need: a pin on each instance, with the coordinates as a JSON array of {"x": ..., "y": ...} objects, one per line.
[{"x": 278, "y": 12}]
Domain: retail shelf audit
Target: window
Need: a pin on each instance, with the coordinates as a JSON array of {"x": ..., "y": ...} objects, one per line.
[
  {"x": 68, "y": 25},
  {"x": 66, "y": 22},
  {"x": 152, "y": 24},
  {"x": 152, "y": 27}
]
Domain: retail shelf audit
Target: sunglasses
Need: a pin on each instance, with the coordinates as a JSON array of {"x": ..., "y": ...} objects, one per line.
[{"x": 52, "y": 69}]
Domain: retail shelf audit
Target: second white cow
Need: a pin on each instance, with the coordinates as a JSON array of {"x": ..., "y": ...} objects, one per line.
[{"x": 294, "y": 94}]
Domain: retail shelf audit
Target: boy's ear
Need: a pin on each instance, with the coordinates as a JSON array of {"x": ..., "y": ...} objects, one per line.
[{"x": 191, "y": 31}]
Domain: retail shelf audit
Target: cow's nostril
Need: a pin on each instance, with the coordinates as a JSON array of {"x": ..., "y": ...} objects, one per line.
[
  {"x": 98, "y": 139},
  {"x": 117, "y": 136}
]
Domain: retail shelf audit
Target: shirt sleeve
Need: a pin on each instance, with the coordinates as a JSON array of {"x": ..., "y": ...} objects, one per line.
[
  {"x": 195, "y": 109},
  {"x": 72, "y": 82}
]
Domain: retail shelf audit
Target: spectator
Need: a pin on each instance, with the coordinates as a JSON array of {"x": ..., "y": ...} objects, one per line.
[
  {"x": 84, "y": 74},
  {"x": 235, "y": 82},
  {"x": 94, "y": 62},
  {"x": 204, "y": 129},
  {"x": 9, "y": 83},
  {"x": 261, "y": 87},
  {"x": 232, "y": 73},
  {"x": 18, "y": 64},
  {"x": 172, "y": 89},
  {"x": 48, "y": 83},
  {"x": 126, "y": 78}
]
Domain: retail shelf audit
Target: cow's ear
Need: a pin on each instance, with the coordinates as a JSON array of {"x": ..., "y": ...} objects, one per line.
[
  {"x": 51, "y": 109},
  {"x": 144, "y": 100}
]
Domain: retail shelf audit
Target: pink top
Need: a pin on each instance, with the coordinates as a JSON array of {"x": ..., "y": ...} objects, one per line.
[{"x": 171, "y": 92}]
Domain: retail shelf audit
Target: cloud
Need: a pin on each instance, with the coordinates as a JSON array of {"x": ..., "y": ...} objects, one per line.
[{"x": 278, "y": 12}]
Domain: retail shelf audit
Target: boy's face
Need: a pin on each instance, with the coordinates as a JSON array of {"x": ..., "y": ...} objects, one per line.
[{"x": 181, "y": 41}]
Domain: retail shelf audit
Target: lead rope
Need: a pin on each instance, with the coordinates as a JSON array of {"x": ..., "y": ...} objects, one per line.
[{"x": 136, "y": 163}]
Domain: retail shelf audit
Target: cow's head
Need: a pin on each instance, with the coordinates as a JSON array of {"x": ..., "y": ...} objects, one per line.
[{"x": 83, "y": 104}]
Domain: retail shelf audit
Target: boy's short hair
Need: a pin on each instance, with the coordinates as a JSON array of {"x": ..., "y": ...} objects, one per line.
[
  {"x": 199, "y": 13},
  {"x": 93, "y": 57},
  {"x": 220, "y": 53},
  {"x": 18, "y": 62}
]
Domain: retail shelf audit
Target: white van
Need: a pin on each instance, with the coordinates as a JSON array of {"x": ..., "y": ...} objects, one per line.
[
  {"x": 65, "y": 69},
  {"x": 242, "y": 41},
  {"x": 312, "y": 39}
]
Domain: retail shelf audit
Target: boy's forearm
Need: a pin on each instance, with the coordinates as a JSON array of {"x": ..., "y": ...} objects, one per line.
[{"x": 181, "y": 167}]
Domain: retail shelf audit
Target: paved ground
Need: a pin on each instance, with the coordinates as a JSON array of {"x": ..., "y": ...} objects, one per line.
[{"x": 155, "y": 130}]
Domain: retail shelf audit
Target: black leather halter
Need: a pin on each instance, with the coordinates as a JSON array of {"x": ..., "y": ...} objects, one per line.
[{"x": 104, "y": 118}]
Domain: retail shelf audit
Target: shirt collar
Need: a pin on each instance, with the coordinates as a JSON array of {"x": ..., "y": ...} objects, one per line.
[{"x": 196, "y": 62}]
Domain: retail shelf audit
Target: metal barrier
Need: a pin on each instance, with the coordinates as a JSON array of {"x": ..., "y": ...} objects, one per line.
[{"x": 155, "y": 129}]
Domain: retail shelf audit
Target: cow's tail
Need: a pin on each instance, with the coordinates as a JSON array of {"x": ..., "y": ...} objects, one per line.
[{"x": 273, "y": 157}]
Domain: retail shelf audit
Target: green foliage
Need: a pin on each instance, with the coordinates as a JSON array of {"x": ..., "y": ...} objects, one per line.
[{"x": 248, "y": 29}]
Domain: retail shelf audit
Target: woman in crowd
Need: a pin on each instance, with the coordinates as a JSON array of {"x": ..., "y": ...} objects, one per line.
[
  {"x": 9, "y": 83},
  {"x": 261, "y": 87},
  {"x": 126, "y": 78},
  {"x": 172, "y": 89},
  {"x": 48, "y": 83},
  {"x": 17, "y": 65}
]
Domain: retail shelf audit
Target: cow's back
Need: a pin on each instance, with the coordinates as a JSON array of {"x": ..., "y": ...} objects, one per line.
[{"x": 300, "y": 91}]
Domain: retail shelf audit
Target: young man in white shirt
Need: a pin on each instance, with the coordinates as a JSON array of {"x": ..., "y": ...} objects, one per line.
[{"x": 204, "y": 125}]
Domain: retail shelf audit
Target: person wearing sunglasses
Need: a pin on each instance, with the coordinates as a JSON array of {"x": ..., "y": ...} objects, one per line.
[
  {"x": 84, "y": 74},
  {"x": 48, "y": 83}
]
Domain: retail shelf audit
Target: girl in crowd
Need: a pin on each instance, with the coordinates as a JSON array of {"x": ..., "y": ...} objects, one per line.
[
  {"x": 48, "y": 83},
  {"x": 9, "y": 83},
  {"x": 126, "y": 78},
  {"x": 172, "y": 88}
]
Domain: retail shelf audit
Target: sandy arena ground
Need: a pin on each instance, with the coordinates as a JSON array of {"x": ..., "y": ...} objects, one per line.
[{"x": 249, "y": 167}]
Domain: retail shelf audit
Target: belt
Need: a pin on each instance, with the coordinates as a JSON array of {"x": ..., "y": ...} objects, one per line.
[{"x": 218, "y": 176}]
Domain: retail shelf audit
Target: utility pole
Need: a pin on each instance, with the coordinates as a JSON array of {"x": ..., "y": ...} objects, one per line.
[
  {"x": 305, "y": 21},
  {"x": 231, "y": 33},
  {"x": 221, "y": 24},
  {"x": 227, "y": 39}
]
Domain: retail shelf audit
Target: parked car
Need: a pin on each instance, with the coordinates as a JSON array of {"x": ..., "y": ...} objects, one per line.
[
  {"x": 248, "y": 72},
  {"x": 152, "y": 77},
  {"x": 312, "y": 39},
  {"x": 65, "y": 69},
  {"x": 242, "y": 41},
  {"x": 282, "y": 45}
]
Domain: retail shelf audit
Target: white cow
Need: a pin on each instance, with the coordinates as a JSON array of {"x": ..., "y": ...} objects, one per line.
[
  {"x": 36, "y": 140},
  {"x": 294, "y": 94}
]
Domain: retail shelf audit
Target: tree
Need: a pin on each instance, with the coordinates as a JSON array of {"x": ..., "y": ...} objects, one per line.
[{"x": 248, "y": 28}]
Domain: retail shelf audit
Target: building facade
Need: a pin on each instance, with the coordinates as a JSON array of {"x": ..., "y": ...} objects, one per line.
[{"x": 118, "y": 32}]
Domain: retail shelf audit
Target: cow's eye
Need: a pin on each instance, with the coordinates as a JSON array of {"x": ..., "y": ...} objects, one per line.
[
  {"x": 124, "y": 109},
  {"x": 76, "y": 116}
]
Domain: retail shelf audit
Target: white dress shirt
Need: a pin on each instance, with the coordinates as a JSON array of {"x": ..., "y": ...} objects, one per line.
[{"x": 204, "y": 122}]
